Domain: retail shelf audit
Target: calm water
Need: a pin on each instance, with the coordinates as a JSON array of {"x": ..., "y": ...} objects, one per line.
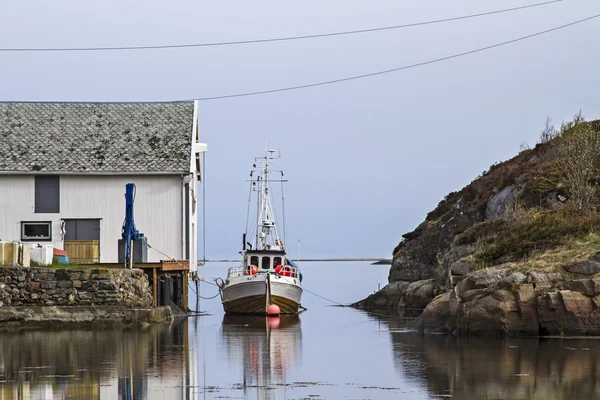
[{"x": 325, "y": 353}]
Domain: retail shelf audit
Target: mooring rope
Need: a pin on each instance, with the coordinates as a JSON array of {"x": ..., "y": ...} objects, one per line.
[
  {"x": 325, "y": 298},
  {"x": 205, "y": 298},
  {"x": 166, "y": 255}
]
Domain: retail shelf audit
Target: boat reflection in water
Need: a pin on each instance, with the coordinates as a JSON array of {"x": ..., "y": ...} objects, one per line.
[
  {"x": 268, "y": 347},
  {"x": 159, "y": 362}
]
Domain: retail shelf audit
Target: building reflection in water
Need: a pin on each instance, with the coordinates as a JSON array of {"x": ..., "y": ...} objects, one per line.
[
  {"x": 510, "y": 368},
  {"x": 151, "y": 363},
  {"x": 268, "y": 347}
]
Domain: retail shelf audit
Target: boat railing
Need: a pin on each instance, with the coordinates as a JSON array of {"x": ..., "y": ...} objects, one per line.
[
  {"x": 236, "y": 271},
  {"x": 242, "y": 270}
]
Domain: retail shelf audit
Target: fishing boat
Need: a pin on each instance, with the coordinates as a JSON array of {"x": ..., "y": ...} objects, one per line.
[{"x": 267, "y": 281}]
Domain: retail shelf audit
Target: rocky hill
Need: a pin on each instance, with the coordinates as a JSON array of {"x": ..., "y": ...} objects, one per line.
[{"x": 514, "y": 252}]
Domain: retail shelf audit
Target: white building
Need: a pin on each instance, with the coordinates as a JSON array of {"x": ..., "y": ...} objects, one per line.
[{"x": 64, "y": 167}]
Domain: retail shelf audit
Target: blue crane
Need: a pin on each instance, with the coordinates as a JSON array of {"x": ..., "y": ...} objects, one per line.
[{"x": 129, "y": 232}]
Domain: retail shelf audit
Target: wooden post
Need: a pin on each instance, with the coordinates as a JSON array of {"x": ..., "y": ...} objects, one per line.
[
  {"x": 154, "y": 286},
  {"x": 185, "y": 291},
  {"x": 197, "y": 295},
  {"x": 131, "y": 256}
]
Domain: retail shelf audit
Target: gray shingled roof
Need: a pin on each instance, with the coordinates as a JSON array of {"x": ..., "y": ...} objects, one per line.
[{"x": 96, "y": 137}]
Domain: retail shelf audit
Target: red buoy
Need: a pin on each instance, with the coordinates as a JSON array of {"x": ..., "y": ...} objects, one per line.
[{"x": 273, "y": 309}]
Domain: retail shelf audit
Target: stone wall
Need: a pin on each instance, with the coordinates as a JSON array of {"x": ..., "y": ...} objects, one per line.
[{"x": 20, "y": 286}]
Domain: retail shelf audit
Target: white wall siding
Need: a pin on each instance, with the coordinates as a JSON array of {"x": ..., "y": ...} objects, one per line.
[
  {"x": 17, "y": 204},
  {"x": 158, "y": 209}
]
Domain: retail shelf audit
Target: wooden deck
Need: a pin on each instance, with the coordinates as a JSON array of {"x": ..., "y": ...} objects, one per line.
[{"x": 156, "y": 270}]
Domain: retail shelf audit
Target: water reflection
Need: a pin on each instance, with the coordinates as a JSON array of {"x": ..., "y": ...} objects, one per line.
[
  {"x": 268, "y": 348},
  {"x": 483, "y": 368},
  {"x": 107, "y": 364}
]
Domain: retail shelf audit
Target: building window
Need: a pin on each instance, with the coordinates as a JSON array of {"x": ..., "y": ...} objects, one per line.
[
  {"x": 47, "y": 194},
  {"x": 266, "y": 262},
  {"x": 36, "y": 231}
]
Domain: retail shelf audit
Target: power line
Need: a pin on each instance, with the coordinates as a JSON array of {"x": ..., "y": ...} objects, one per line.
[
  {"x": 388, "y": 71},
  {"x": 277, "y": 39}
]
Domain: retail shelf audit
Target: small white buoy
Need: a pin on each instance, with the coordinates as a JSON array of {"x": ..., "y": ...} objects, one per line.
[{"x": 273, "y": 309}]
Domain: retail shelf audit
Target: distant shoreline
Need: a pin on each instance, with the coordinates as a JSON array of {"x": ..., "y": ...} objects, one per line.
[{"x": 376, "y": 261}]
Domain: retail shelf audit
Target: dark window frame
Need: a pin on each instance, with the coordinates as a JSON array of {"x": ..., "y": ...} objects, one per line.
[
  {"x": 36, "y": 238},
  {"x": 41, "y": 204}
]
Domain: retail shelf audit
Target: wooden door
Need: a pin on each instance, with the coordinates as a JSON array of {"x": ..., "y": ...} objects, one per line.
[{"x": 82, "y": 240}]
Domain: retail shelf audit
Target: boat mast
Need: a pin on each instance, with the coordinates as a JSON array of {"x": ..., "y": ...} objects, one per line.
[{"x": 266, "y": 228}]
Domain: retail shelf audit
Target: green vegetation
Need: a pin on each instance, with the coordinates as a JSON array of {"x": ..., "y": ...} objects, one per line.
[
  {"x": 573, "y": 250},
  {"x": 480, "y": 231},
  {"x": 58, "y": 265},
  {"x": 539, "y": 231}
]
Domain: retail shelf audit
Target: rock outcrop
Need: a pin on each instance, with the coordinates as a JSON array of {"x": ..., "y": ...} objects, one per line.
[
  {"x": 401, "y": 296},
  {"x": 494, "y": 302},
  {"x": 508, "y": 253}
]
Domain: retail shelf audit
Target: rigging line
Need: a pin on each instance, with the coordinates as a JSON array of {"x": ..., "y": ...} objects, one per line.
[
  {"x": 404, "y": 67},
  {"x": 283, "y": 213},
  {"x": 276, "y": 39},
  {"x": 204, "y": 208},
  {"x": 274, "y": 212},
  {"x": 248, "y": 212}
]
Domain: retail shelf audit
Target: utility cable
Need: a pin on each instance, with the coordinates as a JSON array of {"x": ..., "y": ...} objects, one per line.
[
  {"x": 276, "y": 39},
  {"x": 388, "y": 71}
]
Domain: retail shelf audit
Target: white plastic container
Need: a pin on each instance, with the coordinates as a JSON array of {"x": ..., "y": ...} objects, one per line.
[
  {"x": 25, "y": 254},
  {"x": 42, "y": 253}
]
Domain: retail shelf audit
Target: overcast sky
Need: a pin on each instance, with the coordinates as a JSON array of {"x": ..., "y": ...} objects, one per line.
[{"x": 366, "y": 159}]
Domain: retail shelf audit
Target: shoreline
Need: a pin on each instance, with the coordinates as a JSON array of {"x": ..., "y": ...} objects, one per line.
[{"x": 63, "y": 317}]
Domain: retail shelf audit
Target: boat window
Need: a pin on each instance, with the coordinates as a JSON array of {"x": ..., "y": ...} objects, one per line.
[
  {"x": 254, "y": 260},
  {"x": 277, "y": 261},
  {"x": 266, "y": 262}
]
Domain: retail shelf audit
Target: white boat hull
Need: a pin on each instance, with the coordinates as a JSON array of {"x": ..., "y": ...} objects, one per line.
[{"x": 253, "y": 294}]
